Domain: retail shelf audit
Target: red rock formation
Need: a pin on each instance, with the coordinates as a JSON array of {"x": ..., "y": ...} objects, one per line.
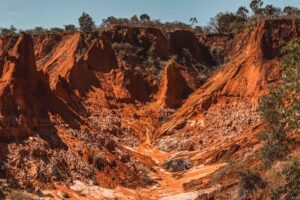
[
  {"x": 145, "y": 37},
  {"x": 7, "y": 44},
  {"x": 216, "y": 40},
  {"x": 245, "y": 77},
  {"x": 130, "y": 86},
  {"x": 174, "y": 88},
  {"x": 67, "y": 69},
  {"x": 154, "y": 37},
  {"x": 60, "y": 63},
  {"x": 276, "y": 34},
  {"x": 100, "y": 56},
  {"x": 101, "y": 103},
  {"x": 20, "y": 82},
  {"x": 181, "y": 39},
  {"x": 248, "y": 73},
  {"x": 137, "y": 86},
  {"x": 44, "y": 44},
  {"x": 70, "y": 61},
  {"x": 25, "y": 95}
]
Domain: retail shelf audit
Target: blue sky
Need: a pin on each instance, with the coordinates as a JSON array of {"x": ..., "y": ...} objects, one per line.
[{"x": 26, "y": 14}]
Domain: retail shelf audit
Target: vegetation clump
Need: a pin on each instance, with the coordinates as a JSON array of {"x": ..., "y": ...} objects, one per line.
[
  {"x": 7, "y": 32},
  {"x": 280, "y": 112},
  {"x": 250, "y": 181},
  {"x": 69, "y": 28},
  {"x": 222, "y": 23},
  {"x": 86, "y": 23},
  {"x": 290, "y": 189},
  {"x": 281, "y": 107}
]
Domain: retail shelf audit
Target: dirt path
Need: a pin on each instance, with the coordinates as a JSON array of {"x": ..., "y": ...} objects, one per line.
[{"x": 169, "y": 185}]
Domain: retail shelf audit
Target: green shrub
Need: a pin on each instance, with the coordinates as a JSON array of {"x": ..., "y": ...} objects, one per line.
[
  {"x": 144, "y": 18},
  {"x": 86, "y": 23},
  {"x": 56, "y": 30},
  {"x": 290, "y": 189},
  {"x": 128, "y": 51},
  {"x": 37, "y": 31},
  {"x": 227, "y": 23},
  {"x": 250, "y": 180},
  {"x": 281, "y": 107},
  {"x": 291, "y": 11},
  {"x": 123, "y": 47},
  {"x": 217, "y": 54},
  {"x": 70, "y": 28},
  {"x": 7, "y": 32}
]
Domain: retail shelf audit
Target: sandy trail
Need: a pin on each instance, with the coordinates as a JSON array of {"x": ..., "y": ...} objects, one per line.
[{"x": 169, "y": 185}]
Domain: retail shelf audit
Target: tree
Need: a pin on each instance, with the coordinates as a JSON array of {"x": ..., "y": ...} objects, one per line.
[
  {"x": 193, "y": 21},
  {"x": 115, "y": 21},
  {"x": 198, "y": 29},
  {"x": 109, "y": 21},
  {"x": 7, "y": 32},
  {"x": 13, "y": 29},
  {"x": 70, "y": 28},
  {"x": 270, "y": 10},
  {"x": 208, "y": 28},
  {"x": 134, "y": 19},
  {"x": 226, "y": 23},
  {"x": 291, "y": 11},
  {"x": 38, "y": 30},
  {"x": 122, "y": 21},
  {"x": 86, "y": 23},
  {"x": 56, "y": 30},
  {"x": 242, "y": 12},
  {"x": 256, "y": 6},
  {"x": 145, "y": 18},
  {"x": 288, "y": 10}
]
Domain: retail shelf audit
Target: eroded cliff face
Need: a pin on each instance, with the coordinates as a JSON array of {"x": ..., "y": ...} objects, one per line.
[
  {"x": 237, "y": 84},
  {"x": 79, "y": 99},
  {"x": 97, "y": 107},
  {"x": 174, "y": 88},
  {"x": 21, "y": 85}
]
